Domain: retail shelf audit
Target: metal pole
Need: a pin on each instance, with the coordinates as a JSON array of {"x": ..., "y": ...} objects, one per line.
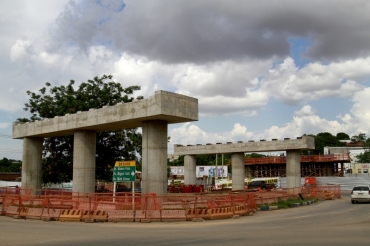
[
  {"x": 216, "y": 173},
  {"x": 222, "y": 173},
  {"x": 133, "y": 196},
  {"x": 114, "y": 191}
]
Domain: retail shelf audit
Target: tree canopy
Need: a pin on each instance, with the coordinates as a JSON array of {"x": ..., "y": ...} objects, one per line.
[
  {"x": 9, "y": 165},
  {"x": 53, "y": 101}
]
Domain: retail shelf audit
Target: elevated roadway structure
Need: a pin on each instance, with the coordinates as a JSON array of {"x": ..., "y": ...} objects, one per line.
[
  {"x": 152, "y": 114},
  {"x": 292, "y": 147},
  {"x": 311, "y": 165}
]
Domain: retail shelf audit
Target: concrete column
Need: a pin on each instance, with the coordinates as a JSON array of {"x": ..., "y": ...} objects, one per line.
[
  {"x": 154, "y": 157},
  {"x": 84, "y": 156},
  {"x": 238, "y": 171},
  {"x": 31, "y": 164},
  {"x": 190, "y": 170},
  {"x": 293, "y": 171}
]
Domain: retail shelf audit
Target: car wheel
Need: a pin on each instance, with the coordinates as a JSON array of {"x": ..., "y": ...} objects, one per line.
[{"x": 352, "y": 201}]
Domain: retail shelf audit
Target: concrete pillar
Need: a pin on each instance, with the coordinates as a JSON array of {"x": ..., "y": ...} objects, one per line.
[
  {"x": 293, "y": 171},
  {"x": 190, "y": 170},
  {"x": 32, "y": 163},
  {"x": 154, "y": 157},
  {"x": 238, "y": 171},
  {"x": 84, "y": 156}
]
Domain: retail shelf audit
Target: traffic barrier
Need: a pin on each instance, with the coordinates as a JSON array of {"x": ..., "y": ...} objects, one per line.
[
  {"x": 22, "y": 213},
  {"x": 121, "y": 216},
  {"x": 197, "y": 213},
  {"x": 34, "y": 213},
  {"x": 70, "y": 215},
  {"x": 147, "y": 216},
  {"x": 220, "y": 213},
  {"x": 50, "y": 214},
  {"x": 150, "y": 207},
  {"x": 11, "y": 211},
  {"x": 173, "y": 215},
  {"x": 241, "y": 210},
  {"x": 95, "y": 215}
]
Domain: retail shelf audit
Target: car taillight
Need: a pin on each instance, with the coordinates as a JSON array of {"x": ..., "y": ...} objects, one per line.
[
  {"x": 369, "y": 192},
  {"x": 352, "y": 192}
]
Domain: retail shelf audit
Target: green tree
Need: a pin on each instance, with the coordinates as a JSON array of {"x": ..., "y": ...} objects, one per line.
[
  {"x": 9, "y": 165},
  {"x": 342, "y": 136},
  {"x": 364, "y": 157},
  {"x": 325, "y": 139},
  {"x": 361, "y": 137},
  {"x": 62, "y": 100}
]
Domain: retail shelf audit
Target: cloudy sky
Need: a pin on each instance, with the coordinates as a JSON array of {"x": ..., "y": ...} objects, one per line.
[{"x": 260, "y": 69}]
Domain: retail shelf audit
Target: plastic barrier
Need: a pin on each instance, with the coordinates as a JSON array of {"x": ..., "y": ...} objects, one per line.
[
  {"x": 34, "y": 213},
  {"x": 22, "y": 213},
  {"x": 11, "y": 211},
  {"x": 220, "y": 213},
  {"x": 50, "y": 214},
  {"x": 121, "y": 216},
  {"x": 70, "y": 215},
  {"x": 173, "y": 215},
  {"x": 96, "y": 215},
  {"x": 148, "y": 216},
  {"x": 150, "y": 207},
  {"x": 197, "y": 213},
  {"x": 240, "y": 210}
]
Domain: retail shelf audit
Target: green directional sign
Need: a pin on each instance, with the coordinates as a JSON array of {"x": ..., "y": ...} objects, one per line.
[{"x": 124, "y": 171}]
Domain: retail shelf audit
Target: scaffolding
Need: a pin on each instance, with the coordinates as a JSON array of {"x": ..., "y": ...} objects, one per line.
[{"x": 311, "y": 166}]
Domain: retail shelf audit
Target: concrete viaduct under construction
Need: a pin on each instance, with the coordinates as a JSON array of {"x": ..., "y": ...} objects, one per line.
[
  {"x": 153, "y": 115},
  {"x": 237, "y": 150}
]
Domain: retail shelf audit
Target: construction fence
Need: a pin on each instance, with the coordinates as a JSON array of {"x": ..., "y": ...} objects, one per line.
[{"x": 126, "y": 206}]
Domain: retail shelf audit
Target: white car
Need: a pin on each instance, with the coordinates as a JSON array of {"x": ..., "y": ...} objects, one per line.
[{"x": 360, "y": 193}]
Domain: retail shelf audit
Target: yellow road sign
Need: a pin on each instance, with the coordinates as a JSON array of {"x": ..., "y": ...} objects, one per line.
[{"x": 125, "y": 164}]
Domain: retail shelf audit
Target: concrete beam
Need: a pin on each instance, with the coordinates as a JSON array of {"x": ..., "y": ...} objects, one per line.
[
  {"x": 165, "y": 106},
  {"x": 303, "y": 143}
]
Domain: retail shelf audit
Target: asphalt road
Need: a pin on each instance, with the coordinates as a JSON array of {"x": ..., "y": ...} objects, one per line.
[{"x": 334, "y": 222}]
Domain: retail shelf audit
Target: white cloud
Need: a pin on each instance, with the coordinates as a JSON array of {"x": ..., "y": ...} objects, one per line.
[
  {"x": 3, "y": 125},
  {"x": 361, "y": 110},
  {"x": 19, "y": 49},
  {"x": 314, "y": 81},
  {"x": 305, "y": 122},
  {"x": 305, "y": 111}
]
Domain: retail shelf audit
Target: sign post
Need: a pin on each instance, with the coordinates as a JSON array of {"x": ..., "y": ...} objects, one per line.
[{"x": 124, "y": 171}]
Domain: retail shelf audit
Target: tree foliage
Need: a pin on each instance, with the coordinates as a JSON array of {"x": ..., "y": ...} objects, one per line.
[
  {"x": 53, "y": 101},
  {"x": 361, "y": 137},
  {"x": 342, "y": 136},
  {"x": 10, "y": 166}
]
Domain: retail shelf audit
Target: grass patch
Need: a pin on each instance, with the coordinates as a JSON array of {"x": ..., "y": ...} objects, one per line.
[{"x": 287, "y": 203}]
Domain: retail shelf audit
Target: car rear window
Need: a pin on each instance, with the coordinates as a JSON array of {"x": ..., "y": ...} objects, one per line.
[{"x": 361, "y": 188}]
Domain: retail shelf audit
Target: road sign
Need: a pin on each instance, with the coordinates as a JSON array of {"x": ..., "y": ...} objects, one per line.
[{"x": 124, "y": 171}]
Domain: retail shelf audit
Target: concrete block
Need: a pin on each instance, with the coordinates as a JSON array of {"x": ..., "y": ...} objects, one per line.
[{"x": 274, "y": 207}]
